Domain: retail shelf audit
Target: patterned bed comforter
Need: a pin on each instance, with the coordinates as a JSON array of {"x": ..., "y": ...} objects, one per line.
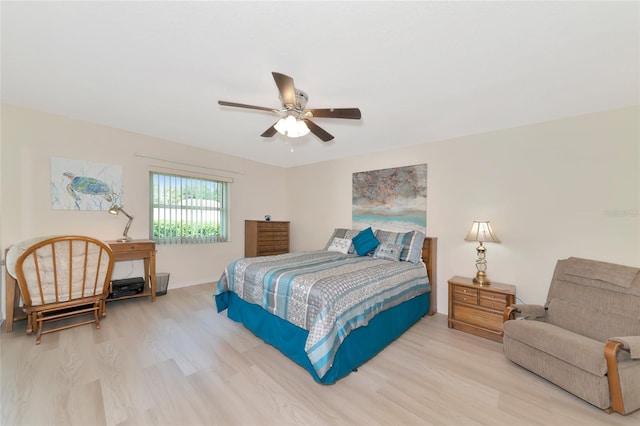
[{"x": 326, "y": 293}]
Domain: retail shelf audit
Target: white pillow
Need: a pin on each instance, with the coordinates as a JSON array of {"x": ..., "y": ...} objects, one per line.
[{"x": 341, "y": 245}]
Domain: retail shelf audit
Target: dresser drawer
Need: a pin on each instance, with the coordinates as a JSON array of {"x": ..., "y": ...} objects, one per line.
[
  {"x": 477, "y": 317},
  {"x": 282, "y": 246},
  {"x": 281, "y": 227},
  {"x": 280, "y": 235},
  {"x": 265, "y": 226}
]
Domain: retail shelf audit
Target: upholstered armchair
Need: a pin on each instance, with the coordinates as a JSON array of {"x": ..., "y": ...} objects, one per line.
[{"x": 586, "y": 338}]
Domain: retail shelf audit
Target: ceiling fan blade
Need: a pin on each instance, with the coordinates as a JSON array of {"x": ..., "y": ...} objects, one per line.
[
  {"x": 318, "y": 131},
  {"x": 352, "y": 113},
  {"x": 286, "y": 88},
  {"x": 270, "y": 131},
  {"x": 235, "y": 104}
]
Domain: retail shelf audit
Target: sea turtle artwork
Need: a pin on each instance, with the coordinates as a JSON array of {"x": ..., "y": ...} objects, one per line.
[{"x": 87, "y": 185}]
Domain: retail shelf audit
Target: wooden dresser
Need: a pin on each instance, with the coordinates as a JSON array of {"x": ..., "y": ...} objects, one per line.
[
  {"x": 478, "y": 309},
  {"x": 262, "y": 238}
]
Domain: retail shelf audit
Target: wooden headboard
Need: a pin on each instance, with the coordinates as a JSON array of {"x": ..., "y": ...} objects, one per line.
[{"x": 430, "y": 259}]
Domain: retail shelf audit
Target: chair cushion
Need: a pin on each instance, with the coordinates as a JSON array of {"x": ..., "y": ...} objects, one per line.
[
  {"x": 618, "y": 275},
  {"x": 582, "y": 352},
  {"x": 589, "y": 321}
]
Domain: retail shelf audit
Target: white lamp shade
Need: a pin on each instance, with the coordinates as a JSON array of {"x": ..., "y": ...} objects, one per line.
[
  {"x": 481, "y": 231},
  {"x": 291, "y": 127}
]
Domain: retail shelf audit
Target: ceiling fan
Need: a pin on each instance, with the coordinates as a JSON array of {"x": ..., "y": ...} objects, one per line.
[{"x": 295, "y": 118}]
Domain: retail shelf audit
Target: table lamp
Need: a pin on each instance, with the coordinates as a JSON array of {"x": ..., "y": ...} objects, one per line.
[{"x": 481, "y": 231}]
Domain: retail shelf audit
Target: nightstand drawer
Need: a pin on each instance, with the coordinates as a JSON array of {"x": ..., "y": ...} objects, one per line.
[
  {"x": 478, "y": 317},
  {"x": 460, "y": 297},
  {"x": 472, "y": 292},
  {"x": 493, "y": 300}
]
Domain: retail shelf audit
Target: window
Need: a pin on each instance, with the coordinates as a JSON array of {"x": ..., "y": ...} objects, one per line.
[{"x": 187, "y": 210}]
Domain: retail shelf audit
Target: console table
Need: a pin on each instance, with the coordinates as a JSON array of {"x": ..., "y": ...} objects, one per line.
[
  {"x": 144, "y": 250},
  {"x": 138, "y": 250}
]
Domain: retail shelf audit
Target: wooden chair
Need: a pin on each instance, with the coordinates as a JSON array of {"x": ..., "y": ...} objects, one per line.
[{"x": 61, "y": 277}]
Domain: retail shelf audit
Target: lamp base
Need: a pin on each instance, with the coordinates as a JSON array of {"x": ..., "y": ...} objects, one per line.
[
  {"x": 124, "y": 239},
  {"x": 481, "y": 279}
]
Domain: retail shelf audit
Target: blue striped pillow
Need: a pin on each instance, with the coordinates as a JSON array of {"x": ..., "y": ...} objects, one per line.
[
  {"x": 392, "y": 237},
  {"x": 412, "y": 251}
]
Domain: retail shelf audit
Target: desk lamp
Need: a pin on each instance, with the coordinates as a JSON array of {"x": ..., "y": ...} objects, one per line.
[{"x": 114, "y": 210}]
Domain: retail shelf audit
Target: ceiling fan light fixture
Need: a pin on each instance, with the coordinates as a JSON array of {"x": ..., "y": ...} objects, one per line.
[
  {"x": 295, "y": 119},
  {"x": 291, "y": 127}
]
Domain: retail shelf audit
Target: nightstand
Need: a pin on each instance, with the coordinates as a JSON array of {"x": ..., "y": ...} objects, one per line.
[{"x": 478, "y": 309}]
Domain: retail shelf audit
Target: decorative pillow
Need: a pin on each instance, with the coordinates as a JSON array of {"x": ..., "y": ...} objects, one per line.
[
  {"x": 413, "y": 247},
  {"x": 365, "y": 241},
  {"x": 392, "y": 237},
  {"x": 341, "y": 245},
  {"x": 388, "y": 251},
  {"x": 337, "y": 233},
  {"x": 350, "y": 234}
]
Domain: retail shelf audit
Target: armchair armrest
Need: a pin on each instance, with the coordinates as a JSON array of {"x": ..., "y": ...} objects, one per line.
[
  {"x": 611, "y": 348},
  {"x": 629, "y": 343},
  {"x": 525, "y": 311}
]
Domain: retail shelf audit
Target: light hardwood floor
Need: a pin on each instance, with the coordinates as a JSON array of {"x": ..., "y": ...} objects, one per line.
[{"x": 179, "y": 362}]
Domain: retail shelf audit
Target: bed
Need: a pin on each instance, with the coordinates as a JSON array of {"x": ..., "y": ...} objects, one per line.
[{"x": 331, "y": 310}]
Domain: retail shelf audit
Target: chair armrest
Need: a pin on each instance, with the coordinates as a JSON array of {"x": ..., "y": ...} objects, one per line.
[
  {"x": 524, "y": 311},
  {"x": 629, "y": 343},
  {"x": 611, "y": 348}
]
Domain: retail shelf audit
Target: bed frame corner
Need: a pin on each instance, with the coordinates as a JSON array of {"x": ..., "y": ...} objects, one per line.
[{"x": 430, "y": 259}]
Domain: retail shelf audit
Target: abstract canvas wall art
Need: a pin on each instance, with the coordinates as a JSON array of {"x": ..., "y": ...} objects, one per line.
[
  {"x": 83, "y": 185},
  {"x": 391, "y": 199}
]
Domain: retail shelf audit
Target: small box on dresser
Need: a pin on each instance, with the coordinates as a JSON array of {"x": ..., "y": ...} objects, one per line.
[
  {"x": 265, "y": 238},
  {"x": 478, "y": 309}
]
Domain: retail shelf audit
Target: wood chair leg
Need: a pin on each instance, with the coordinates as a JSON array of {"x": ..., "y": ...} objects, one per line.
[
  {"x": 40, "y": 326},
  {"x": 96, "y": 313},
  {"x": 30, "y": 322}
]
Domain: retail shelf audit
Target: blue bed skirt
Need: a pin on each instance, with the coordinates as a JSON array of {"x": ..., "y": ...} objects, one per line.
[{"x": 360, "y": 345}]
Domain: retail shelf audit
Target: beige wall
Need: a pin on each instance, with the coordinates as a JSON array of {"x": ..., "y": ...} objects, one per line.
[
  {"x": 552, "y": 190},
  {"x": 31, "y": 138}
]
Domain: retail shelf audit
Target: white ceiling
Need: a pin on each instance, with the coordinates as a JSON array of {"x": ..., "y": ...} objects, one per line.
[{"x": 419, "y": 71}]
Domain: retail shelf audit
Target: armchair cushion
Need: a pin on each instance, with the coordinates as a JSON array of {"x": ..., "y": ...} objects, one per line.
[
  {"x": 598, "y": 324},
  {"x": 619, "y": 275},
  {"x": 582, "y": 352}
]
